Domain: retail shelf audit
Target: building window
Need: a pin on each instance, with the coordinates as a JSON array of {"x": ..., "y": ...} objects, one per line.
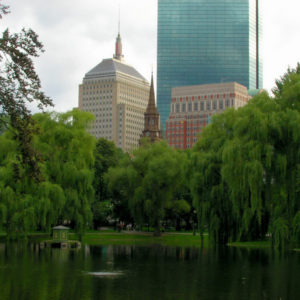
[
  {"x": 221, "y": 104},
  {"x": 177, "y": 108},
  {"x": 195, "y": 106},
  {"x": 190, "y": 107},
  {"x": 183, "y": 107},
  {"x": 215, "y": 105},
  {"x": 202, "y": 106},
  {"x": 208, "y": 105}
]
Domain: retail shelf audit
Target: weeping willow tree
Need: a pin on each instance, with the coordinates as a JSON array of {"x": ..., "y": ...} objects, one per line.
[
  {"x": 180, "y": 210},
  {"x": 246, "y": 169},
  {"x": 285, "y": 216},
  {"x": 67, "y": 151},
  {"x": 17, "y": 201},
  {"x": 66, "y": 164},
  {"x": 209, "y": 191}
]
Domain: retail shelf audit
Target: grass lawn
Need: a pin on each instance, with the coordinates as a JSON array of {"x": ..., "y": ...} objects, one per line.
[
  {"x": 142, "y": 239},
  {"x": 254, "y": 244},
  {"x": 175, "y": 239}
]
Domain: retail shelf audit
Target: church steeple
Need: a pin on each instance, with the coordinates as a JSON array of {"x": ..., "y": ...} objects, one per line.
[
  {"x": 152, "y": 118},
  {"x": 151, "y": 108}
]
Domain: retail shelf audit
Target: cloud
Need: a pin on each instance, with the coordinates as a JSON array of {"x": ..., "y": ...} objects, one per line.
[
  {"x": 281, "y": 47},
  {"x": 77, "y": 35}
]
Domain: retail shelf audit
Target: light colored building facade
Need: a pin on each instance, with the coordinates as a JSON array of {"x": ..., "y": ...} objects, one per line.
[
  {"x": 117, "y": 95},
  {"x": 192, "y": 107}
]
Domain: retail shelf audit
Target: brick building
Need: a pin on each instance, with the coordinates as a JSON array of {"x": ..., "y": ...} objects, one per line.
[{"x": 192, "y": 107}]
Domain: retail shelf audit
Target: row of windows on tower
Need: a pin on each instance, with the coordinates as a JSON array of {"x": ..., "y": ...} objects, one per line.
[
  {"x": 209, "y": 105},
  {"x": 97, "y": 92},
  {"x": 96, "y": 100},
  {"x": 173, "y": 136}
]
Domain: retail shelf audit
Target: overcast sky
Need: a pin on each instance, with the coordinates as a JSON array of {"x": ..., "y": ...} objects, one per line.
[{"x": 77, "y": 35}]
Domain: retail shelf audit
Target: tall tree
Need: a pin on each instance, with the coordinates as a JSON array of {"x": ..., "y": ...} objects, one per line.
[
  {"x": 246, "y": 166},
  {"x": 66, "y": 193},
  {"x": 107, "y": 155},
  {"x": 19, "y": 86},
  {"x": 209, "y": 191},
  {"x": 149, "y": 179},
  {"x": 68, "y": 154}
]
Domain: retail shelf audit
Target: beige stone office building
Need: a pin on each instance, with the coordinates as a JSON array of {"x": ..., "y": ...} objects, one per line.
[
  {"x": 117, "y": 95},
  {"x": 192, "y": 108}
]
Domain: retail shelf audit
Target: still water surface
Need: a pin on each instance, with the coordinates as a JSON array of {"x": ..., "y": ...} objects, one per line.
[{"x": 131, "y": 272}]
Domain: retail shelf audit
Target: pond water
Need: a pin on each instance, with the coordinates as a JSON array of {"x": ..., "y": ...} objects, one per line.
[{"x": 131, "y": 272}]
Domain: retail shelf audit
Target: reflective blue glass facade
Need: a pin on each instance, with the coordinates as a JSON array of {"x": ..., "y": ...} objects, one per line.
[{"x": 207, "y": 41}]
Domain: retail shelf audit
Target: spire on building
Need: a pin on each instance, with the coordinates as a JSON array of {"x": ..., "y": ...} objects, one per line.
[
  {"x": 151, "y": 108},
  {"x": 118, "y": 49},
  {"x": 152, "y": 118}
]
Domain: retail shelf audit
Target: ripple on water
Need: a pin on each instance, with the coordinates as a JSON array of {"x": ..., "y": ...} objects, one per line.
[{"x": 105, "y": 274}]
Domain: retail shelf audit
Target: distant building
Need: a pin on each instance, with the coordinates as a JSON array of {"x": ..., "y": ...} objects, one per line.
[
  {"x": 203, "y": 42},
  {"x": 117, "y": 95},
  {"x": 152, "y": 118},
  {"x": 193, "y": 106}
]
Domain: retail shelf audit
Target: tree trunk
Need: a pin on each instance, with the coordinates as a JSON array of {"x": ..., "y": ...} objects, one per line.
[
  {"x": 157, "y": 229},
  {"x": 178, "y": 227}
]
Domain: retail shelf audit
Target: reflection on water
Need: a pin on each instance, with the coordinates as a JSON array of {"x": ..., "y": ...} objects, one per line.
[
  {"x": 131, "y": 272},
  {"x": 105, "y": 274}
]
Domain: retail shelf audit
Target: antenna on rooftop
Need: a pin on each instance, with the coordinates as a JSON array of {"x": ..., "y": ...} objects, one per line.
[
  {"x": 119, "y": 23},
  {"x": 118, "y": 50}
]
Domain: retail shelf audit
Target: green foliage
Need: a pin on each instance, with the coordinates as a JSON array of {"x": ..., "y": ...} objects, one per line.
[
  {"x": 67, "y": 160},
  {"x": 147, "y": 182},
  {"x": 242, "y": 178},
  {"x": 285, "y": 80},
  {"x": 281, "y": 233},
  {"x": 245, "y": 166},
  {"x": 296, "y": 229},
  {"x": 20, "y": 85},
  {"x": 101, "y": 212},
  {"x": 107, "y": 155},
  {"x": 121, "y": 185},
  {"x": 208, "y": 189}
]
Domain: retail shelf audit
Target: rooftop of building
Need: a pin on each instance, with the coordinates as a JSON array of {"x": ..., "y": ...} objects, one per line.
[
  {"x": 212, "y": 87},
  {"x": 255, "y": 92},
  {"x": 112, "y": 66}
]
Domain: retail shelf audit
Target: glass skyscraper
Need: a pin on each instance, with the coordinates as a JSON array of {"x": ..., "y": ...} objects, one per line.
[{"x": 207, "y": 41}]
